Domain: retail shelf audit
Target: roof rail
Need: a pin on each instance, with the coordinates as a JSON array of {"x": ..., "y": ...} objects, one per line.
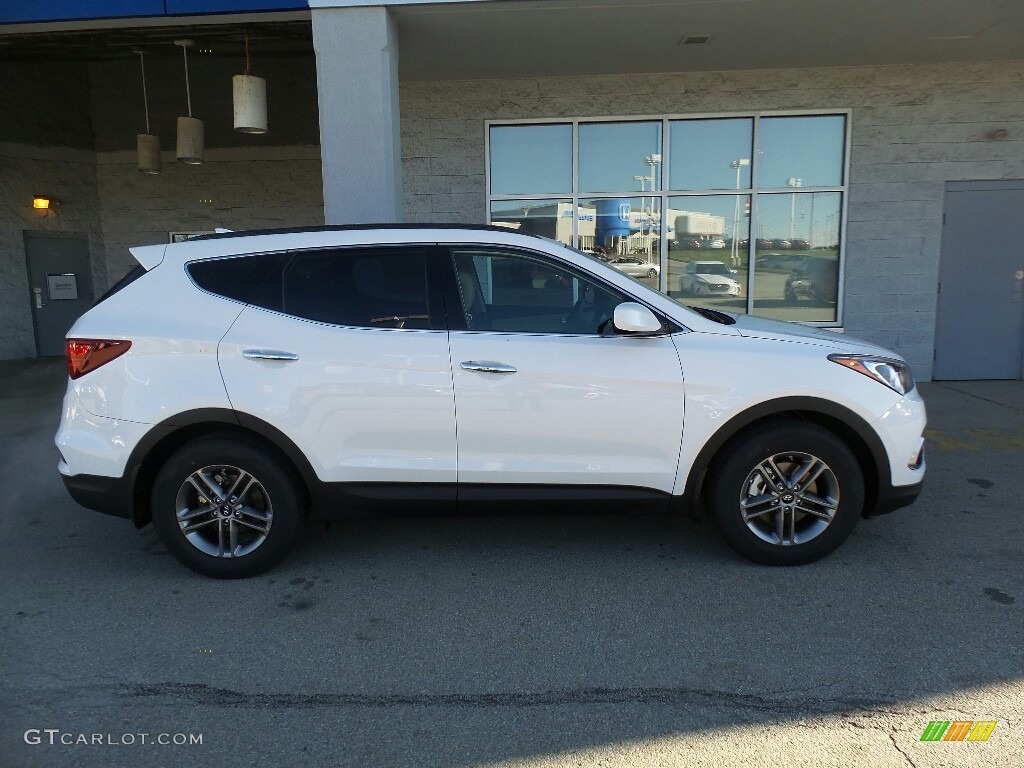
[{"x": 225, "y": 233}]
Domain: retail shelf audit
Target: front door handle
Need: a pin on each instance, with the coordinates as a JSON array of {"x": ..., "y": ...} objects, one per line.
[
  {"x": 487, "y": 366},
  {"x": 268, "y": 354}
]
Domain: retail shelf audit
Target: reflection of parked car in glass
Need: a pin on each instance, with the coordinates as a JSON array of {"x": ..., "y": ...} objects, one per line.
[
  {"x": 713, "y": 241},
  {"x": 799, "y": 244},
  {"x": 763, "y": 242},
  {"x": 816, "y": 279},
  {"x": 710, "y": 278},
  {"x": 780, "y": 261},
  {"x": 689, "y": 243},
  {"x": 634, "y": 266},
  {"x": 782, "y": 243}
]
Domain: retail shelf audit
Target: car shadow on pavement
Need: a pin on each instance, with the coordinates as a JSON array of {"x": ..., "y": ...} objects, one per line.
[{"x": 515, "y": 640}]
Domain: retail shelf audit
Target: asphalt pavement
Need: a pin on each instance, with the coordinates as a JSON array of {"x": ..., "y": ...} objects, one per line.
[{"x": 518, "y": 641}]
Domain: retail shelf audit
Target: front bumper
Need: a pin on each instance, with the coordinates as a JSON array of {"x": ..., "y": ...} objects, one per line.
[{"x": 894, "y": 497}]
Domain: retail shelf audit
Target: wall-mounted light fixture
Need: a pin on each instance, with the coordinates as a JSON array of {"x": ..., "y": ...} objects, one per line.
[
  {"x": 147, "y": 145},
  {"x": 190, "y": 129},
  {"x": 249, "y": 94},
  {"x": 44, "y": 202}
]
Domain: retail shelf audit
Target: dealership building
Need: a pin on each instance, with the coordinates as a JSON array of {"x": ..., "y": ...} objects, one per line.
[{"x": 883, "y": 139}]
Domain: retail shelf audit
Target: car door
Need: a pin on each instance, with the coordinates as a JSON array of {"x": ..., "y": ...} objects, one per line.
[
  {"x": 345, "y": 351},
  {"x": 546, "y": 392}
]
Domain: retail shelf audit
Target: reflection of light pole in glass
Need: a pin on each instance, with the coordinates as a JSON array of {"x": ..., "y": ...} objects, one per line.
[
  {"x": 653, "y": 160},
  {"x": 743, "y": 162},
  {"x": 643, "y": 200},
  {"x": 810, "y": 226},
  {"x": 792, "y": 203}
]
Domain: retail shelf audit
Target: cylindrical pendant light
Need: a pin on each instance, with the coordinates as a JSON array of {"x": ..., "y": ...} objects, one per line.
[
  {"x": 190, "y": 129},
  {"x": 147, "y": 145},
  {"x": 249, "y": 94}
]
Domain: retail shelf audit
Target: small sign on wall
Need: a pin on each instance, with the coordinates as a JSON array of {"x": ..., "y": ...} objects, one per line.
[
  {"x": 180, "y": 237},
  {"x": 61, "y": 286}
]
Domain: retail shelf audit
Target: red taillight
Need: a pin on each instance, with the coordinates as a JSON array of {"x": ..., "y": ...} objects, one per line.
[{"x": 86, "y": 355}]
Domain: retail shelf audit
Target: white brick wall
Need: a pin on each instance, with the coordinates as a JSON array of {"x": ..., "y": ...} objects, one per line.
[{"x": 913, "y": 129}]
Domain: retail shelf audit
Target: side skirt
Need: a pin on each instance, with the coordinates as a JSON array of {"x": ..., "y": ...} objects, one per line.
[{"x": 334, "y": 501}]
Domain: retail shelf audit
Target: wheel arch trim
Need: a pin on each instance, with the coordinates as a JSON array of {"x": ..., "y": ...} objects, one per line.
[
  {"x": 165, "y": 437},
  {"x": 870, "y": 451}
]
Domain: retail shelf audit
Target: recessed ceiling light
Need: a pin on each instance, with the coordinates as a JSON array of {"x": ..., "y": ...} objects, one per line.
[{"x": 695, "y": 39}]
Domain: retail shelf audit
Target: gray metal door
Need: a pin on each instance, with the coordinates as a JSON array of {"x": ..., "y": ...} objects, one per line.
[
  {"x": 979, "y": 330},
  {"x": 60, "y": 282}
]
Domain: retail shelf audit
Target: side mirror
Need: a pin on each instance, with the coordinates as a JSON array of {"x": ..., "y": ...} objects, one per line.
[{"x": 631, "y": 317}]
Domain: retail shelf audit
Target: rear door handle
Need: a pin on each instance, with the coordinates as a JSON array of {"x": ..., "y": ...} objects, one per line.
[
  {"x": 268, "y": 354},
  {"x": 487, "y": 366}
]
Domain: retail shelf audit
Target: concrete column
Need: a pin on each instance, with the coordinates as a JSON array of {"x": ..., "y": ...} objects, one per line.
[{"x": 357, "y": 84}]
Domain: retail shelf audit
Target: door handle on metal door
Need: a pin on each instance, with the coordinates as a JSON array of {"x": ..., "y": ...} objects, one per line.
[
  {"x": 268, "y": 354},
  {"x": 487, "y": 366}
]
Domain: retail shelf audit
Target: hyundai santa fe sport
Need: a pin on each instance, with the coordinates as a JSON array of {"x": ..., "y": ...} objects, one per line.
[{"x": 233, "y": 384}]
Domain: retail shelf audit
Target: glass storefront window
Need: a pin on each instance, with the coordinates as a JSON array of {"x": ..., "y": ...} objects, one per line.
[
  {"x": 547, "y": 218},
  {"x": 710, "y": 154},
  {"x": 801, "y": 151},
  {"x": 708, "y": 248},
  {"x": 531, "y": 159},
  {"x": 796, "y": 256},
  {"x": 627, "y": 234},
  {"x": 712, "y": 222},
  {"x": 620, "y": 157}
]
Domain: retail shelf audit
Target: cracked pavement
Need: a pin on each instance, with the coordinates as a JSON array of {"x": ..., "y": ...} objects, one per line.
[{"x": 526, "y": 642}]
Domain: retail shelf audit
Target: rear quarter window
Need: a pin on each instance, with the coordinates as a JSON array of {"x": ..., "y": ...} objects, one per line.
[{"x": 242, "y": 278}]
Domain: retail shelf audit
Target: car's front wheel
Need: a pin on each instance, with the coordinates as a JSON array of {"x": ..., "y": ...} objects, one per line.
[
  {"x": 652, "y": 273},
  {"x": 786, "y": 493},
  {"x": 226, "y": 507}
]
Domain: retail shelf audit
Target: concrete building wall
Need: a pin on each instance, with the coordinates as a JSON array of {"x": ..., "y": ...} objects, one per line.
[
  {"x": 75, "y": 140},
  {"x": 46, "y": 142},
  {"x": 246, "y": 182},
  {"x": 70, "y": 176},
  {"x": 235, "y": 189},
  {"x": 913, "y": 129}
]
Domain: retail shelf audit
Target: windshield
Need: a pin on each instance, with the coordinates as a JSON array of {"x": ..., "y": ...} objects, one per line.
[{"x": 712, "y": 268}]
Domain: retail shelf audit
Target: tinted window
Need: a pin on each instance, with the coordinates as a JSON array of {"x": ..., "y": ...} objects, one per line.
[
  {"x": 364, "y": 287},
  {"x": 239, "y": 277},
  {"x": 512, "y": 292}
]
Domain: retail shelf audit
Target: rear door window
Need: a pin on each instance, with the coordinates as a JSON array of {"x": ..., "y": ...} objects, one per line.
[{"x": 379, "y": 287}]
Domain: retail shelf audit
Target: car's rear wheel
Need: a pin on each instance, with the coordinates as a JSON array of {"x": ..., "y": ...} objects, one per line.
[
  {"x": 226, "y": 507},
  {"x": 786, "y": 493}
]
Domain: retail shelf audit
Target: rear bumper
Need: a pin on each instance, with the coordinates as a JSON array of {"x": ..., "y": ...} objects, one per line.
[{"x": 110, "y": 495}]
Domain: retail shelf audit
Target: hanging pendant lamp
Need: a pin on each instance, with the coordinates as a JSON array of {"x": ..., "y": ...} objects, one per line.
[
  {"x": 249, "y": 94},
  {"x": 147, "y": 145},
  {"x": 190, "y": 129}
]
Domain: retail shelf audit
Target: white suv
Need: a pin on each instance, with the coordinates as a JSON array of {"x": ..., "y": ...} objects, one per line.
[{"x": 232, "y": 383}]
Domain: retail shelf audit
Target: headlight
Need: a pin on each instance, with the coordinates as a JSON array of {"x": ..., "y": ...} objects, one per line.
[{"x": 895, "y": 374}]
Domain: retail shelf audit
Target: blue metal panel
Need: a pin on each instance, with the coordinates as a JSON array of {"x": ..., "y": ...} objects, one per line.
[
  {"x": 180, "y": 7},
  {"x": 74, "y": 10},
  {"x": 70, "y": 10}
]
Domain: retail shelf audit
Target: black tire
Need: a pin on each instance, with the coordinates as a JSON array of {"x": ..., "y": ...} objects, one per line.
[
  {"x": 652, "y": 273},
  {"x": 264, "y": 523},
  {"x": 736, "y": 477}
]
